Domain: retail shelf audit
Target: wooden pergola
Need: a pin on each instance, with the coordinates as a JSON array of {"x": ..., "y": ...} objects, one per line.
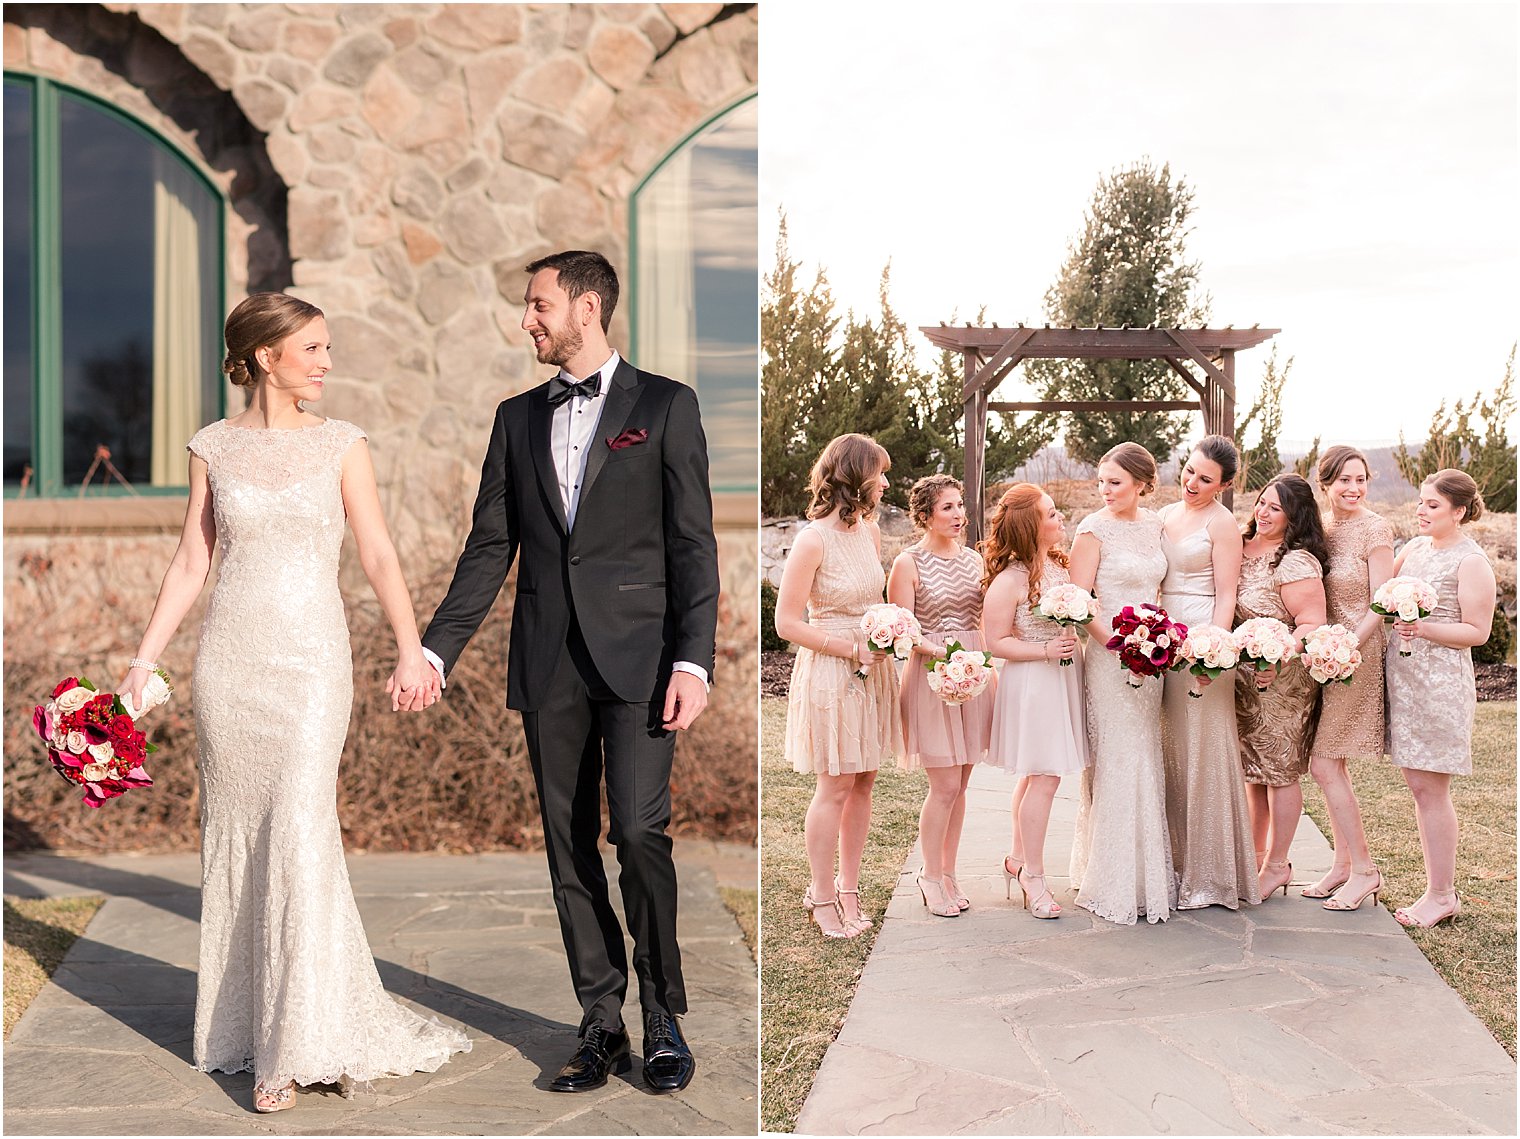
[{"x": 991, "y": 353}]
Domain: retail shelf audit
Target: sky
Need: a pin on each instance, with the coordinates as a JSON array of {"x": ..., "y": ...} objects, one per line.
[{"x": 1355, "y": 168}]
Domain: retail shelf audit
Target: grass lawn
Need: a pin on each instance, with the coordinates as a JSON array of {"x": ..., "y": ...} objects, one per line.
[
  {"x": 745, "y": 906},
  {"x": 1476, "y": 952},
  {"x": 806, "y": 981},
  {"x": 38, "y": 932}
]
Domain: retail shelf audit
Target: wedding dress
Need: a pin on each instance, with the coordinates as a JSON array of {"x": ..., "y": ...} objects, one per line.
[
  {"x": 1123, "y": 855},
  {"x": 288, "y": 987}
]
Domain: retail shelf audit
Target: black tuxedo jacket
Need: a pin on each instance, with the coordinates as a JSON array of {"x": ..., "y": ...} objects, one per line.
[{"x": 640, "y": 567}]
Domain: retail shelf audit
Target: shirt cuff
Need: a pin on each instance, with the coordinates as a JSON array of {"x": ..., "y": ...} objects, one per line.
[
  {"x": 686, "y": 666},
  {"x": 433, "y": 659}
]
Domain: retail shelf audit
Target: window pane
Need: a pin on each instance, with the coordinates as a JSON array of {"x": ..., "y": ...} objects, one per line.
[
  {"x": 18, "y": 280},
  {"x": 106, "y": 217}
]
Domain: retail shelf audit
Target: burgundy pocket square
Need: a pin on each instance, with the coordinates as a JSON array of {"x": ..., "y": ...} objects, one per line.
[{"x": 628, "y": 438}]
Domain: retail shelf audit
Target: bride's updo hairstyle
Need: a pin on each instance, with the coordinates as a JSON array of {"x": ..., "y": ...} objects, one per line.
[
  {"x": 1459, "y": 489},
  {"x": 844, "y": 476},
  {"x": 1135, "y": 461},
  {"x": 263, "y": 320},
  {"x": 1014, "y": 536},
  {"x": 925, "y": 495}
]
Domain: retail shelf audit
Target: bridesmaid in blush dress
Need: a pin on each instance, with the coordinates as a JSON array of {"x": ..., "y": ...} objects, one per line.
[
  {"x": 1431, "y": 698},
  {"x": 838, "y": 725},
  {"x": 940, "y": 580},
  {"x": 287, "y": 985},
  {"x": 1281, "y": 576},
  {"x": 1351, "y": 715},
  {"x": 1039, "y": 729},
  {"x": 1205, "y": 791}
]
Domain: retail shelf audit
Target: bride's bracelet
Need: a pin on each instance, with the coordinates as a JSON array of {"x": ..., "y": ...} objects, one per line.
[{"x": 138, "y": 662}]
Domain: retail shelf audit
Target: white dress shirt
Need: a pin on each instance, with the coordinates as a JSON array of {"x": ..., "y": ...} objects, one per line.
[{"x": 572, "y": 432}]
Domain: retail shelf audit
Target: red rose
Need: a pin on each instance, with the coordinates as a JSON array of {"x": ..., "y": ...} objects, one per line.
[
  {"x": 122, "y": 727},
  {"x": 65, "y": 685}
]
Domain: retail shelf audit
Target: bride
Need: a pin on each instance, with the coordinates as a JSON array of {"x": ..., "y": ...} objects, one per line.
[
  {"x": 287, "y": 985},
  {"x": 1122, "y": 856}
]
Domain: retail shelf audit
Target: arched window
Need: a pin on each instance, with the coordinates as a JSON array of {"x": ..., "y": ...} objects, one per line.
[
  {"x": 695, "y": 300},
  {"x": 113, "y": 297}
]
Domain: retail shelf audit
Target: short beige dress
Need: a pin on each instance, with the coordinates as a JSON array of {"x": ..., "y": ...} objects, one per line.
[
  {"x": 1351, "y": 715},
  {"x": 948, "y": 605},
  {"x": 1276, "y": 725},
  {"x": 837, "y": 723},
  {"x": 1431, "y": 694}
]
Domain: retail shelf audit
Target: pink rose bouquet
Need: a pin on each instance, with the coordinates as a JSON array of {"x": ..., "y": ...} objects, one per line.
[
  {"x": 1208, "y": 650},
  {"x": 1146, "y": 640},
  {"x": 961, "y": 674},
  {"x": 1331, "y": 652},
  {"x": 1066, "y": 605},
  {"x": 1265, "y": 642},
  {"x": 891, "y": 627},
  {"x": 1404, "y": 599}
]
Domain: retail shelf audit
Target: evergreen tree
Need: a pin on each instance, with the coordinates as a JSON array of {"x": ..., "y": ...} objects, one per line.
[
  {"x": 1128, "y": 268},
  {"x": 1261, "y": 463},
  {"x": 1484, "y": 452}
]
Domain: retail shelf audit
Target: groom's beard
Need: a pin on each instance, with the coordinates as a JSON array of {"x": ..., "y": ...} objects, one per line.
[{"x": 558, "y": 347}]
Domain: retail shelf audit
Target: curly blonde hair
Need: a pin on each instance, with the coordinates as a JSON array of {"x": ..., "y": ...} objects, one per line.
[{"x": 844, "y": 475}]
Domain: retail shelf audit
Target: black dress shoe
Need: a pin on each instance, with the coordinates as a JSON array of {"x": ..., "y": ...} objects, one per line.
[
  {"x": 601, "y": 1050},
  {"x": 668, "y": 1062}
]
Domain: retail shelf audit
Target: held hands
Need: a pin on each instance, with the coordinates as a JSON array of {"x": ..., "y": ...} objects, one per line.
[
  {"x": 131, "y": 688},
  {"x": 413, "y": 686},
  {"x": 1265, "y": 677},
  {"x": 1063, "y": 647},
  {"x": 1409, "y": 630},
  {"x": 685, "y": 697}
]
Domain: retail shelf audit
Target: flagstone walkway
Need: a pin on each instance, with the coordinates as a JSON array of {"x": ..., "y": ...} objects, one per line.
[{"x": 1278, "y": 1019}]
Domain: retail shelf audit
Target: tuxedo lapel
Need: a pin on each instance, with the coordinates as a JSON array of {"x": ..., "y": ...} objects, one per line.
[
  {"x": 540, "y": 422},
  {"x": 622, "y": 394}
]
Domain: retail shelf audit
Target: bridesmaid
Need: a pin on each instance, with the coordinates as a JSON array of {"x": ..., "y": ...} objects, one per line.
[
  {"x": 1039, "y": 724},
  {"x": 940, "y": 580},
  {"x": 838, "y": 726},
  {"x": 1281, "y": 576},
  {"x": 1351, "y": 716},
  {"x": 1431, "y": 697},
  {"x": 1206, "y": 811}
]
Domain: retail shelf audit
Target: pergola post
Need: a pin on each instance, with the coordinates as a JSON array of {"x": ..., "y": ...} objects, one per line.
[
  {"x": 975, "y": 437},
  {"x": 1227, "y": 412}
]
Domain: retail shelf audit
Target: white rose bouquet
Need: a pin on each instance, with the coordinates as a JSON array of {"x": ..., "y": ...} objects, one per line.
[
  {"x": 891, "y": 627},
  {"x": 1404, "y": 599},
  {"x": 960, "y": 675},
  {"x": 1331, "y": 652},
  {"x": 1066, "y": 605},
  {"x": 1265, "y": 642},
  {"x": 1208, "y": 650}
]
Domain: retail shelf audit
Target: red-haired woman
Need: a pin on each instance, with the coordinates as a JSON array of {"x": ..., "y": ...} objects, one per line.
[
  {"x": 1039, "y": 724},
  {"x": 838, "y": 726}
]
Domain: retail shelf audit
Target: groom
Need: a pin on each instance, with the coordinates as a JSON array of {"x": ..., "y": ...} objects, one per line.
[{"x": 599, "y": 478}]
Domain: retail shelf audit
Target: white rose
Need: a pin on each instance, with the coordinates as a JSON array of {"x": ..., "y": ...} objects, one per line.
[
  {"x": 1343, "y": 655},
  {"x": 101, "y": 752},
  {"x": 74, "y": 699},
  {"x": 95, "y": 772},
  {"x": 76, "y": 742}
]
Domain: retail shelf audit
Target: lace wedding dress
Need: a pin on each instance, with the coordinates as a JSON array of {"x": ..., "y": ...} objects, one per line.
[
  {"x": 1123, "y": 856},
  {"x": 287, "y": 985}
]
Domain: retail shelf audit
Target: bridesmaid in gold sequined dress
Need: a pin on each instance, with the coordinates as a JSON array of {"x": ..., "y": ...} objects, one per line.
[
  {"x": 1351, "y": 715},
  {"x": 1431, "y": 697},
  {"x": 940, "y": 580},
  {"x": 1281, "y": 576},
  {"x": 838, "y": 726}
]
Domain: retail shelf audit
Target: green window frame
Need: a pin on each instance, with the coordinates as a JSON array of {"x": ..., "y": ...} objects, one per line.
[{"x": 46, "y": 293}]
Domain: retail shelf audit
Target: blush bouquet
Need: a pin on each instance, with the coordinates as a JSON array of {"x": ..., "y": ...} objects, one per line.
[
  {"x": 1404, "y": 599},
  {"x": 1265, "y": 642},
  {"x": 1066, "y": 605},
  {"x": 960, "y": 675},
  {"x": 1207, "y": 650},
  {"x": 1146, "y": 640},
  {"x": 889, "y": 627},
  {"x": 1331, "y": 652},
  {"x": 91, "y": 740}
]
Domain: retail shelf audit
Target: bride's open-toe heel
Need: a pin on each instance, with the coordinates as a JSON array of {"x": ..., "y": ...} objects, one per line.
[
  {"x": 1044, "y": 904},
  {"x": 266, "y": 1100}
]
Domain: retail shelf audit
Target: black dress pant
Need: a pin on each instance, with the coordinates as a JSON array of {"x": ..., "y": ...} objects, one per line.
[{"x": 582, "y": 731}]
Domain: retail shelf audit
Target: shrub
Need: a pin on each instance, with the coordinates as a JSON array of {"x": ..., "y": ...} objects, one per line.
[
  {"x": 1501, "y": 639},
  {"x": 770, "y": 640}
]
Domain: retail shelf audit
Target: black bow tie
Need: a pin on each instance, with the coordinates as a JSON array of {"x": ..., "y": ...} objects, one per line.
[{"x": 561, "y": 389}]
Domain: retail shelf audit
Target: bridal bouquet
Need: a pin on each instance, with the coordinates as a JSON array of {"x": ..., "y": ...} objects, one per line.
[
  {"x": 1331, "y": 652},
  {"x": 1146, "y": 640},
  {"x": 1207, "y": 650},
  {"x": 960, "y": 675},
  {"x": 1407, "y": 599},
  {"x": 1265, "y": 642},
  {"x": 1066, "y": 604},
  {"x": 92, "y": 740},
  {"x": 889, "y": 627}
]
